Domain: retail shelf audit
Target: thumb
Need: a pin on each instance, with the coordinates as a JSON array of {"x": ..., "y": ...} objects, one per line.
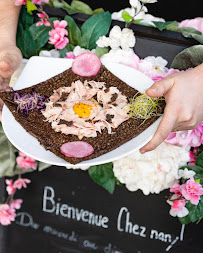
[
  {"x": 9, "y": 62},
  {"x": 160, "y": 88}
]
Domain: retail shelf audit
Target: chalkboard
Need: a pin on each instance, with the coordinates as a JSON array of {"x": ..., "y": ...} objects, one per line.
[{"x": 65, "y": 211}]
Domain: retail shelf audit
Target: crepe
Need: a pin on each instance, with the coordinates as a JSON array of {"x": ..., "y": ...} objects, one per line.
[{"x": 35, "y": 123}]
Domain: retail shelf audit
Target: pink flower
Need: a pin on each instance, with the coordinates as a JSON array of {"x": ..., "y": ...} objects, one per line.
[
  {"x": 192, "y": 191},
  {"x": 10, "y": 187},
  {"x": 7, "y": 214},
  {"x": 21, "y": 182},
  {"x": 157, "y": 78},
  {"x": 43, "y": 19},
  {"x": 20, "y": 2},
  {"x": 193, "y": 157},
  {"x": 26, "y": 162},
  {"x": 70, "y": 55},
  {"x": 57, "y": 35},
  {"x": 176, "y": 189},
  {"x": 39, "y": 2},
  {"x": 16, "y": 204},
  {"x": 196, "y": 23},
  {"x": 178, "y": 205},
  {"x": 194, "y": 137}
]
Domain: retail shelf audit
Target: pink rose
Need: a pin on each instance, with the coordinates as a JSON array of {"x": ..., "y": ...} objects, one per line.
[
  {"x": 10, "y": 187},
  {"x": 57, "y": 35},
  {"x": 21, "y": 182},
  {"x": 178, "y": 205},
  {"x": 20, "y": 2},
  {"x": 176, "y": 189},
  {"x": 26, "y": 162},
  {"x": 16, "y": 204},
  {"x": 44, "y": 19},
  {"x": 196, "y": 23},
  {"x": 192, "y": 191},
  {"x": 7, "y": 214}
]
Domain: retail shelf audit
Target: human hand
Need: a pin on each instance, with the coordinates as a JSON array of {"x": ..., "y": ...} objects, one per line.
[
  {"x": 183, "y": 92},
  {"x": 10, "y": 60}
]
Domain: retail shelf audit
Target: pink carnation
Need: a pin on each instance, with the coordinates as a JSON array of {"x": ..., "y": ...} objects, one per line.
[
  {"x": 7, "y": 214},
  {"x": 20, "y": 2},
  {"x": 196, "y": 23},
  {"x": 70, "y": 55},
  {"x": 178, "y": 205},
  {"x": 16, "y": 204},
  {"x": 192, "y": 191},
  {"x": 26, "y": 162},
  {"x": 10, "y": 187},
  {"x": 194, "y": 138},
  {"x": 57, "y": 35},
  {"x": 21, "y": 182},
  {"x": 43, "y": 19}
]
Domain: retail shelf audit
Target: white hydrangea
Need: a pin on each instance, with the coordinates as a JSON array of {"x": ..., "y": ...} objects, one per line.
[
  {"x": 153, "y": 171},
  {"x": 118, "y": 38}
]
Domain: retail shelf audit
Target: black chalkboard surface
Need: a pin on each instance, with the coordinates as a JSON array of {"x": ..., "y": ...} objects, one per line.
[{"x": 65, "y": 211}]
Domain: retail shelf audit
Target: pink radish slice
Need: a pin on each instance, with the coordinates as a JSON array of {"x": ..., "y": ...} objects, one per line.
[
  {"x": 77, "y": 149},
  {"x": 86, "y": 64}
]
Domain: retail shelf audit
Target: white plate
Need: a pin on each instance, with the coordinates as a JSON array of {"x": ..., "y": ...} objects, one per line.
[{"x": 39, "y": 69}]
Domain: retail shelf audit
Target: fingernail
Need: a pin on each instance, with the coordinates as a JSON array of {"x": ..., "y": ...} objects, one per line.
[
  {"x": 142, "y": 151},
  {"x": 153, "y": 89}
]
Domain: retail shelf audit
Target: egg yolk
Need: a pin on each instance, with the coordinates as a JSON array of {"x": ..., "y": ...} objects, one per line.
[{"x": 83, "y": 110}]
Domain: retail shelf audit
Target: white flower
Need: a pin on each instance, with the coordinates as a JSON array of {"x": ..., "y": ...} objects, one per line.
[
  {"x": 114, "y": 44},
  {"x": 79, "y": 50},
  {"x": 153, "y": 171},
  {"x": 148, "y": 1},
  {"x": 103, "y": 41},
  {"x": 184, "y": 212},
  {"x": 127, "y": 38},
  {"x": 78, "y": 168},
  {"x": 126, "y": 57},
  {"x": 135, "y": 4},
  {"x": 185, "y": 174},
  {"x": 115, "y": 32},
  {"x": 153, "y": 66},
  {"x": 52, "y": 53}
]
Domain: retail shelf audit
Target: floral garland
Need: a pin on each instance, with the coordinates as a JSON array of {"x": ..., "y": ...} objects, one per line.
[{"x": 179, "y": 165}]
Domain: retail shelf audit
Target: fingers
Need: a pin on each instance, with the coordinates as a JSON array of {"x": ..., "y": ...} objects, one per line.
[
  {"x": 160, "y": 88},
  {"x": 165, "y": 127}
]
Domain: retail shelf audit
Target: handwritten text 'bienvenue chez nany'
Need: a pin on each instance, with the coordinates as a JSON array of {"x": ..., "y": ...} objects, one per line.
[{"x": 81, "y": 215}]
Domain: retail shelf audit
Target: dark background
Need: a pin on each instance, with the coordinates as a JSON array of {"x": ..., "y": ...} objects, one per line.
[{"x": 167, "y": 9}]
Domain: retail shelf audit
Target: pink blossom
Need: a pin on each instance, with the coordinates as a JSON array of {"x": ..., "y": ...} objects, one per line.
[
  {"x": 176, "y": 189},
  {"x": 70, "y": 55},
  {"x": 172, "y": 71},
  {"x": 57, "y": 35},
  {"x": 20, "y": 2},
  {"x": 26, "y": 162},
  {"x": 157, "y": 78},
  {"x": 7, "y": 214},
  {"x": 10, "y": 187},
  {"x": 196, "y": 23},
  {"x": 44, "y": 19},
  {"x": 21, "y": 182},
  {"x": 16, "y": 204},
  {"x": 193, "y": 156},
  {"x": 194, "y": 137},
  {"x": 39, "y": 2},
  {"x": 178, "y": 205},
  {"x": 192, "y": 191}
]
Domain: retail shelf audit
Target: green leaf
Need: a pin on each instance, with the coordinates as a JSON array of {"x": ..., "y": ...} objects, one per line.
[
  {"x": 31, "y": 7},
  {"x": 103, "y": 175},
  {"x": 25, "y": 18},
  {"x": 197, "y": 180},
  {"x": 173, "y": 26},
  {"x": 101, "y": 51},
  {"x": 199, "y": 160},
  {"x": 27, "y": 45},
  {"x": 189, "y": 31},
  {"x": 137, "y": 21},
  {"x": 40, "y": 35},
  {"x": 69, "y": 47},
  {"x": 188, "y": 58},
  {"x": 58, "y": 4},
  {"x": 68, "y": 8},
  {"x": 162, "y": 25},
  {"x": 94, "y": 27},
  {"x": 126, "y": 16},
  {"x": 42, "y": 166},
  {"x": 198, "y": 37},
  {"x": 74, "y": 33},
  {"x": 81, "y": 7},
  {"x": 98, "y": 10},
  {"x": 195, "y": 212}
]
